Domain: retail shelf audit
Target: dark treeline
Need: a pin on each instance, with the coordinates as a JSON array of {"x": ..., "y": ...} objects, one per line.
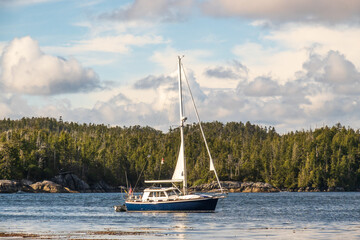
[{"x": 40, "y": 148}]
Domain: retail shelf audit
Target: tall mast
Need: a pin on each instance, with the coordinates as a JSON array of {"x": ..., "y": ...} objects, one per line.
[
  {"x": 182, "y": 121},
  {"x": 212, "y": 167}
]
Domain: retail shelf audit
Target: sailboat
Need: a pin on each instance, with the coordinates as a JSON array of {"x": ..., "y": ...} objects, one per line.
[{"x": 172, "y": 199}]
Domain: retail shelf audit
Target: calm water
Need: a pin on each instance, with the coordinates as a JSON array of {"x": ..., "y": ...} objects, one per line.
[{"x": 239, "y": 216}]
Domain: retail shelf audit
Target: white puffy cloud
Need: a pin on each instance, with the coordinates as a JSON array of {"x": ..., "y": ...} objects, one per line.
[
  {"x": 325, "y": 11},
  {"x": 262, "y": 86},
  {"x": 282, "y": 51},
  {"x": 26, "y": 69},
  {"x": 14, "y": 106},
  {"x": 279, "y": 61},
  {"x": 334, "y": 72},
  {"x": 297, "y": 37}
]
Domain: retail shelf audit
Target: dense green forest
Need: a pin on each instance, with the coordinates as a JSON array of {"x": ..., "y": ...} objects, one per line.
[{"x": 40, "y": 148}]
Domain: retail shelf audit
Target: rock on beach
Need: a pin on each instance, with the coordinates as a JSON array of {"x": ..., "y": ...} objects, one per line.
[
  {"x": 49, "y": 187},
  {"x": 10, "y": 186},
  {"x": 13, "y": 186}
]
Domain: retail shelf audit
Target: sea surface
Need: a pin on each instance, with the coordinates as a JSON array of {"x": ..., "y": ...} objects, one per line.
[{"x": 284, "y": 215}]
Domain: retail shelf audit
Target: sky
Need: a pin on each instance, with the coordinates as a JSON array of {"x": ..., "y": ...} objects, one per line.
[{"x": 293, "y": 65}]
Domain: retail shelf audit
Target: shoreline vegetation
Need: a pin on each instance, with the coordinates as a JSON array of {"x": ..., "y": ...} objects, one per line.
[{"x": 94, "y": 158}]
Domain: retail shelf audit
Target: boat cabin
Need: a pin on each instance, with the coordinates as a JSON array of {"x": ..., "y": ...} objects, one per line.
[
  {"x": 160, "y": 194},
  {"x": 156, "y": 194}
]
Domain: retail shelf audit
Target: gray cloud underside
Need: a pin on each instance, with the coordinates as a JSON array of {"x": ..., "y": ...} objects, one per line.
[
  {"x": 153, "y": 82},
  {"x": 279, "y": 11},
  {"x": 330, "y": 11},
  {"x": 235, "y": 71},
  {"x": 159, "y": 10}
]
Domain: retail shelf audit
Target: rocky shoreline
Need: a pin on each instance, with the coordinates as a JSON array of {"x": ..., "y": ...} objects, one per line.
[
  {"x": 246, "y": 187},
  {"x": 235, "y": 186},
  {"x": 63, "y": 183},
  {"x": 70, "y": 183}
]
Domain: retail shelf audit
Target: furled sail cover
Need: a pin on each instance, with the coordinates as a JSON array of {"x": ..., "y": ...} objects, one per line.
[{"x": 179, "y": 170}]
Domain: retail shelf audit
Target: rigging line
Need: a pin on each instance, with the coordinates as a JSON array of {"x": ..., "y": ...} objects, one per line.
[
  {"x": 140, "y": 175},
  {"x": 202, "y": 131}
]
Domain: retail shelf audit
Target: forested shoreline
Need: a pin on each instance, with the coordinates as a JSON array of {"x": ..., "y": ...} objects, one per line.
[{"x": 41, "y": 148}]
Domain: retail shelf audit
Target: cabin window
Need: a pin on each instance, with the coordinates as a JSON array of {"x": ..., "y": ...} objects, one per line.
[
  {"x": 162, "y": 194},
  {"x": 171, "y": 193}
]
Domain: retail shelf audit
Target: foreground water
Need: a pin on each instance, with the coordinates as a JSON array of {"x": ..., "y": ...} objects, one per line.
[{"x": 239, "y": 216}]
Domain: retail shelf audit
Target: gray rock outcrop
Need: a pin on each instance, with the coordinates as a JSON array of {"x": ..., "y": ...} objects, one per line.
[
  {"x": 102, "y": 187},
  {"x": 49, "y": 187},
  {"x": 11, "y": 186},
  {"x": 72, "y": 182}
]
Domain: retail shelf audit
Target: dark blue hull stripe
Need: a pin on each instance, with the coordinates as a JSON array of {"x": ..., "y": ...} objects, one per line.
[{"x": 198, "y": 205}]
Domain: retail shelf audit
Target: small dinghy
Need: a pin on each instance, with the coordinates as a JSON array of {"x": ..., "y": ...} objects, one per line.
[{"x": 120, "y": 208}]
